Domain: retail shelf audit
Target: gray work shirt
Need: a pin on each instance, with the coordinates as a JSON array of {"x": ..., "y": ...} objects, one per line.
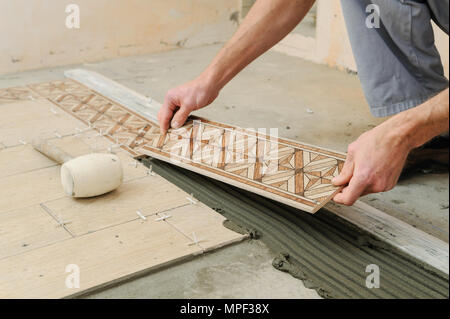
[{"x": 398, "y": 63}]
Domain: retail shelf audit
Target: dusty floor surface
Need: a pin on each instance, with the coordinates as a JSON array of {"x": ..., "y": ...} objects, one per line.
[{"x": 307, "y": 102}]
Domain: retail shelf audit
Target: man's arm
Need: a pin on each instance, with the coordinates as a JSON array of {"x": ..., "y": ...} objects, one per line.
[
  {"x": 266, "y": 24},
  {"x": 376, "y": 159}
]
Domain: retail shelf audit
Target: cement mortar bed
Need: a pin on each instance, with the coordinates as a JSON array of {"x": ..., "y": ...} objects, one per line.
[{"x": 327, "y": 253}]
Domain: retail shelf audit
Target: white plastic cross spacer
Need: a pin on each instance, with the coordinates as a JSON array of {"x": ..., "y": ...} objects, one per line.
[
  {"x": 150, "y": 171},
  {"x": 80, "y": 131},
  {"x": 135, "y": 164},
  {"x": 163, "y": 217},
  {"x": 192, "y": 199},
  {"x": 194, "y": 239},
  {"x": 112, "y": 147},
  {"x": 141, "y": 215},
  {"x": 61, "y": 222}
]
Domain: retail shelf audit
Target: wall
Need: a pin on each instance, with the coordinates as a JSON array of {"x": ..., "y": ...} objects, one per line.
[{"x": 34, "y": 35}]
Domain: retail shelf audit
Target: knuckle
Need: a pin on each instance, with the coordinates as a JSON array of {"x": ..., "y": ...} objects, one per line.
[
  {"x": 363, "y": 176},
  {"x": 351, "y": 148},
  {"x": 187, "y": 107},
  {"x": 170, "y": 94}
]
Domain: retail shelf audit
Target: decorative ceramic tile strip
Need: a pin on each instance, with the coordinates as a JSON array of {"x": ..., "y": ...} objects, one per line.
[
  {"x": 296, "y": 174},
  {"x": 13, "y": 94}
]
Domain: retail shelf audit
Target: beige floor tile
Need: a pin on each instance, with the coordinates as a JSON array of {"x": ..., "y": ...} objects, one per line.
[
  {"x": 31, "y": 188},
  {"x": 201, "y": 223},
  {"x": 21, "y": 159},
  {"x": 26, "y": 229},
  {"x": 27, "y": 120},
  {"x": 102, "y": 257}
]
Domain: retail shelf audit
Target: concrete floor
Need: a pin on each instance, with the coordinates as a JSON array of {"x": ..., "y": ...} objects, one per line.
[
  {"x": 276, "y": 91},
  {"x": 243, "y": 270}
]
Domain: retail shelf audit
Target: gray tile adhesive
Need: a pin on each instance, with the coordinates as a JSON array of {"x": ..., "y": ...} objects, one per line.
[{"x": 327, "y": 253}]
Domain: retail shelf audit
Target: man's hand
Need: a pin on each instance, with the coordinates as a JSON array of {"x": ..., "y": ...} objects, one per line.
[
  {"x": 181, "y": 101},
  {"x": 376, "y": 159},
  {"x": 374, "y": 163}
]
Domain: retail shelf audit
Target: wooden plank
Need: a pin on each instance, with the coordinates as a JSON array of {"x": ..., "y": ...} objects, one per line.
[
  {"x": 103, "y": 257},
  {"x": 149, "y": 195},
  {"x": 24, "y": 120},
  {"x": 26, "y": 229},
  {"x": 143, "y": 105},
  {"x": 399, "y": 234},
  {"x": 270, "y": 166}
]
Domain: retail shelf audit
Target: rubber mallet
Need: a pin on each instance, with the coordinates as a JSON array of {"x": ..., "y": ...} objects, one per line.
[{"x": 87, "y": 175}]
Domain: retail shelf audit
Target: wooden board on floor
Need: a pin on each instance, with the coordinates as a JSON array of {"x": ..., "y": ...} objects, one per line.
[
  {"x": 43, "y": 231},
  {"x": 290, "y": 172},
  {"x": 397, "y": 233}
]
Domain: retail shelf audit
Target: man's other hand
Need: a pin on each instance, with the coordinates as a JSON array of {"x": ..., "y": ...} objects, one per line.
[
  {"x": 374, "y": 164},
  {"x": 376, "y": 159}
]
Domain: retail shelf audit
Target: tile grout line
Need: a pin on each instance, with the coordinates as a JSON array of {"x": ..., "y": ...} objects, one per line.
[
  {"x": 192, "y": 240},
  {"x": 61, "y": 223},
  {"x": 29, "y": 171},
  {"x": 31, "y": 205}
]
